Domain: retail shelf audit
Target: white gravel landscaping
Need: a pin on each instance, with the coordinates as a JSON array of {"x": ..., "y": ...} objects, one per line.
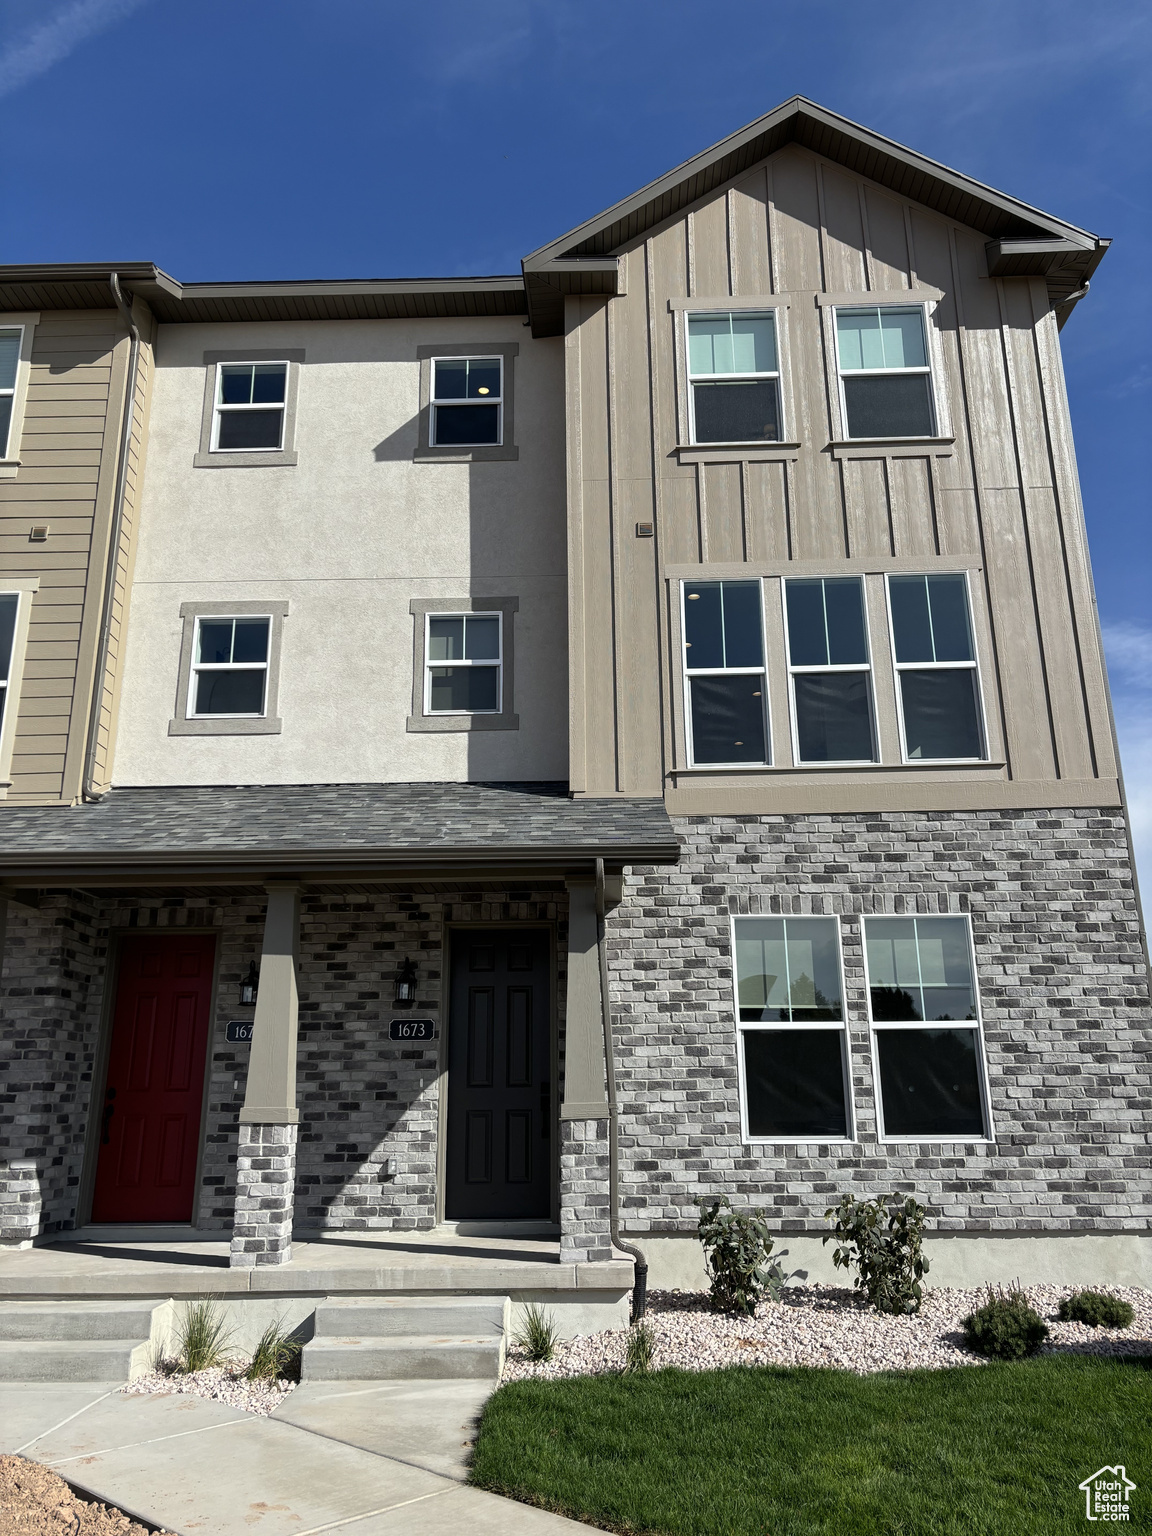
[
  {"x": 220, "y": 1384},
  {"x": 828, "y": 1325}
]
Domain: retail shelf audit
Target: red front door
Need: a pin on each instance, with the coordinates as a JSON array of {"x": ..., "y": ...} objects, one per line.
[{"x": 150, "y": 1127}]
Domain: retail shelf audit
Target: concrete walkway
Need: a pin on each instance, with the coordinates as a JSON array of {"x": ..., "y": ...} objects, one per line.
[{"x": 375, "y": 1458}]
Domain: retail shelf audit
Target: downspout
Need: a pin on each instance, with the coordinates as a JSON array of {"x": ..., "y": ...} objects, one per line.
[
  {"x": 89, "y": 790},
  {"x": 640, "y": 1288}
]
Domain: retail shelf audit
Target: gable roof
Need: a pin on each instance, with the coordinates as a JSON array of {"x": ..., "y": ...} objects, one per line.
[{"x": 1022, "y": 240}]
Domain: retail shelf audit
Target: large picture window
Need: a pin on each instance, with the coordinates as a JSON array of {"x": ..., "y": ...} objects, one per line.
[
  {"x": 724, "y": 667},
  {"x": 830, "y": 670},
  {"x": 935, "y": 657},
  {"x": 926, "y": 1026},
  {"x": 790, "y": 1012},
  {"x": 734, "y": 378},
  {"x": 885, "y": 377}
]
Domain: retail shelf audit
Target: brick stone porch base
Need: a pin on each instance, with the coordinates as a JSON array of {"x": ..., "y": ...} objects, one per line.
[{"x": 265, "y": 1192}]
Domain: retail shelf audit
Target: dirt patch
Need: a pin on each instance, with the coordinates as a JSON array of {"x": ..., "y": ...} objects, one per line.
[{"x": 35, "y": 1502}]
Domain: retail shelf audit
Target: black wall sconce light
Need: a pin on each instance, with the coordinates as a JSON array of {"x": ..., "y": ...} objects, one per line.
[
  {"x": 406, "y": 985},
  {"x": 249, "y": 986}
]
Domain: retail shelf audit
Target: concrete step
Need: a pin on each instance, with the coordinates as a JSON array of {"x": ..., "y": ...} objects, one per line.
[
  {"x": 70, "y": 1359},
  {"x": 476, "y": 1317},
  {"x": 56, "y": 1320},
  {"x": 416, "y": 1357}
]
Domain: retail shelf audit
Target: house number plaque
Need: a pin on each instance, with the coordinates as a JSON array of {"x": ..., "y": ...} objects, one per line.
[
  {"x": 412, "y": 1029},
  {"x": 239, "y": 1033}
]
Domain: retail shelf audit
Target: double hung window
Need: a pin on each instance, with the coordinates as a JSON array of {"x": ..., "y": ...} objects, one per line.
[
  {"x": 724, "y": 664},
  {"x": 9, "y": 608},
  {"x": 249, "y": 414},
  {"x": 734, "y": 378},
  {"x": 790, "y": 1012},
  {"x": 229, "y": 675},
  {"x": 9, "y": 362},
  {"x": 935, "y": 658},
  {"x": 885, "y": 378},
  {"x": 463, "y": 664},
  {"x": 467, "y": 401},
  {"x": 926, "y": 1026},
  {"x": 830, "y": 670}
]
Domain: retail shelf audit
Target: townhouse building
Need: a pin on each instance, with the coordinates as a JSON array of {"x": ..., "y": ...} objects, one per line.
[{"x": 521, "y": 753}]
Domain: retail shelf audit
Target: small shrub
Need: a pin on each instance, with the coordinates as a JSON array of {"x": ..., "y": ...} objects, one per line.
[
  {"x": 1097, "y": 1309},
  {"x": 883, "y": 1239},
  {"x": 275, "y": 1354},
  {"x": 1006, "y": 1327},
  {"x": 640, "y": 1349},
  {"x": 538, "y": 1333},
  {"x": 203, "y": 1338},
  {"x": 736, "y": 1246}
]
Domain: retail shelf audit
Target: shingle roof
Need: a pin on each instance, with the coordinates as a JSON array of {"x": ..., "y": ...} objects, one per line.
[{"x": 330, "y": 825}]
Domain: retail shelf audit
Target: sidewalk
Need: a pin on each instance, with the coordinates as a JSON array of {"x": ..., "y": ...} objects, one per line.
[{"x": 375, "y": 1458}]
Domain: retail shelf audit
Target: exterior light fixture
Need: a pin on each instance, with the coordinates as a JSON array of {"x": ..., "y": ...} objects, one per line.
[
  {"x": 249, "y": 986},
  {"x": 406, "y": 985}
]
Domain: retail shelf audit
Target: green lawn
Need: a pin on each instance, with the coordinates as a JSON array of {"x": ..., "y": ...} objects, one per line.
[{"x": 995, "y": 1450}]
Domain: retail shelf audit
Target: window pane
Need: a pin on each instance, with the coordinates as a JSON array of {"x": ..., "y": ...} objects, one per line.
[
  {"x": 858, "y": 336},
  {"x": 446, "y": 639},
  {"x": 268, "y": 382},
  {"x": 230, "y": 693},
  {"x": 844, "y": 607},
  {"x": 807, "y": 637},
  {"x": 753, "y": 344},
  {"x": 930, "y": 1082},
  {"x": 951, "y": 630},
  {"x": 795, "y": 1082},
  {"x": 249, "y": 429},
  {"x": 903, "y": 332},
  {"x": 743, "y": 641},
  {"x": 467, "y": 424},
  {"x": 251, "y": 642},
  {"x": 761, "y": 969},
  {"x": 941, "y": 714},
  {"x": 737, "y": 413},
  {"x": 215, "y": 640},
  {"x": 9, "y": 358},
  {"x": 920, "y": 968},
  {"x": 451, "y": 381},
  {"x": 236, "y": 384},
  {"x": 911, "y": 621},
  {"x": 8, "y": 605},
  {"x": 833, "y": 717},
  {"x": 482, "y": 639},
  {"x": 5, "y": 423},
  {"x": 709, "y": 343},
  {"x": 483, "y": 377},
  {"x": 787, "y": 969},
  {"x": 896, "y": 405},
  {"x": 728, "y": 719},
  {"x": 463, "y": 690},
  {"x": 703, "y": 624}
]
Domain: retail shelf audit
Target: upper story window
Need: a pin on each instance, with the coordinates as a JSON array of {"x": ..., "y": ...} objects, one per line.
[
  {"x": 9, "y": 363},
  {"x": 250, "y": 402},
  {"x": 467, "y": 401},
  {"x": 734, "y": 378},
  {"x": 724, "y": 666},
  {"x": 885, "y": 376},
  {"x": 472, "y": 682},
  {"x": 229, "y": 667},
  {"x": 938, "y": 690},
  {"x": 830, "y": 670},
  {"x": 9, "y": 608}
]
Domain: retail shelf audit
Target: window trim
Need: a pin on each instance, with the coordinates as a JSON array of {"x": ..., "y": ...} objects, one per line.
[
  {"x": 464, "y": 661},
  {"x": 421, "y": 608},
  {"x": 926, "y": 300},
  {"x": 868, "y": 668},
  {"x": 933, "y": 666},
  {"x": 210, "y": 457},
  {"x": 977, "y": 1024},
  {"x": 24, "y": 589},
  {"x": 768, "y": 312},
  {"x": 184, "y": 723},
  {"x": 462, "y": 453},
  {"x": 841, "y": 1025},
  {"x": 688, "y": 673},
  {"x": 24, "y": 321}
]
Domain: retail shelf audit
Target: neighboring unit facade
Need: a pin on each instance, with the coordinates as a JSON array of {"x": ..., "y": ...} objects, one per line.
[{"x": 707, "y": 609}]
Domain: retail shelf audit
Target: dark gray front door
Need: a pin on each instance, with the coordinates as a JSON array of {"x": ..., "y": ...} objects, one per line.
[{"x": 500, "y": 1129}]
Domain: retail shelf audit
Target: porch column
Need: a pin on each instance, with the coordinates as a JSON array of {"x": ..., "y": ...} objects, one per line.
[
  {"x": 584, "y": 1226},
  {"x": 266, "y": 1160}
]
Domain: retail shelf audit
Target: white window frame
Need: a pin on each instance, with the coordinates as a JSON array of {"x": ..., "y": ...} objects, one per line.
[
  {"x": 9, "y": 392},
  {"x": 687, "y": 673},
  {"x": 227, "y": 666},
  {"x": 868, "y": 302},
  {"x": 488, "y": 661},
  {"x": 25, "y": 324},
  {"x": 434, "y": 402},
  {"x": 219, "y": 408},
  {"x": 23, "y": 589},
  {"x": 856, "y": 666},
  {"x": 976, "y": 1024},
  {"x": 937, "y": 666},
  {"x": 840, "y": 1025},
  {"x": 730, "y": 378}
]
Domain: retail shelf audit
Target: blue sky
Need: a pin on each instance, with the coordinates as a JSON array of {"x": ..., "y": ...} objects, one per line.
[{"x": 365, "y": 138}]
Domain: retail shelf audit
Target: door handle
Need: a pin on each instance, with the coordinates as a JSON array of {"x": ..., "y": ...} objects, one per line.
[{"x": 546, "y": 1110}]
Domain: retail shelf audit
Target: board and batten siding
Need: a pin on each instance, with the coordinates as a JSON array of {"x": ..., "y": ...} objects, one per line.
[
  {"x": 68, "y": 455},
  {"x": 1001, "y": 500}
]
